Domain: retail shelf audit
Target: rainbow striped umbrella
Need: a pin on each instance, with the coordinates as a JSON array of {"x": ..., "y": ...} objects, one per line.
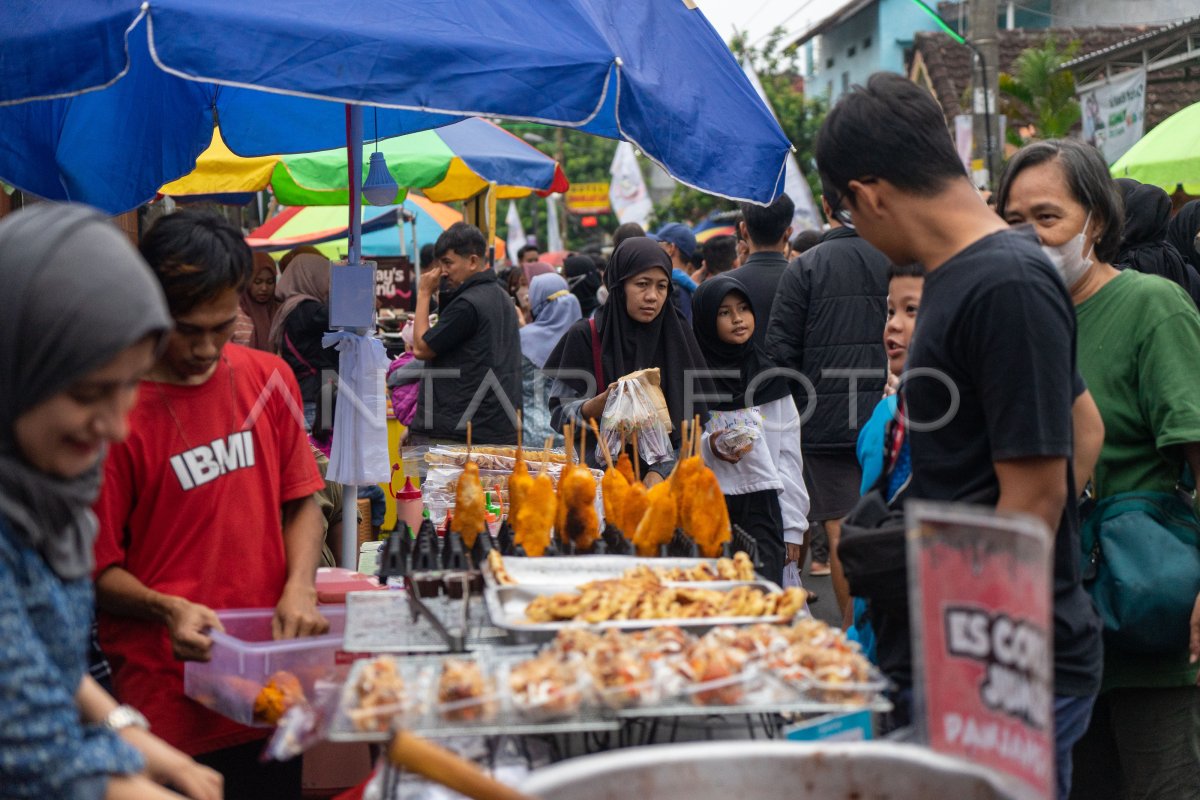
[{"x": 451, "y": 163}]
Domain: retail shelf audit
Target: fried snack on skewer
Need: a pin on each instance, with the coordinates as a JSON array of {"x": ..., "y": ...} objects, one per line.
[
  {"x": 637, "y": 500},
  {"x": 613, "y": 489},
  {"x": 519, "y": 480},
  {"x": 577, "y": 520},
  {"x": 470, "y": 507},
  {"x": 625, "y": 467},
  {"x": 536, "y": 518},
  {"x": 657, "y": 525},
  {"x": 706, "y": 518}
]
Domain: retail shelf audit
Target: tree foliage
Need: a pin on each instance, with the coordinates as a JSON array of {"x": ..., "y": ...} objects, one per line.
[
  {"x": 799, "y": 115},
  {"x": 1038, "y": 96}
]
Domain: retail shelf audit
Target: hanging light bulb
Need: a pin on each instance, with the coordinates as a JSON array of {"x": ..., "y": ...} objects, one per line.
[{"x": 380, "y": 188}]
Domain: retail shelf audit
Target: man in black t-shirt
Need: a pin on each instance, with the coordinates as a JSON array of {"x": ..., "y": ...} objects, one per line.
[
  {"x": 991, "y": 418},
  {"x": 473, "y": 355}
]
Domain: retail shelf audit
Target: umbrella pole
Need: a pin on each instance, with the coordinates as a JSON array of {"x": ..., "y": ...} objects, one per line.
[{"x": 354, "y": 147}]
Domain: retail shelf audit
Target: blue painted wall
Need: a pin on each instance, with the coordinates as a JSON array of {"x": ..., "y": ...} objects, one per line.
[{"x": 874, "y": 39}]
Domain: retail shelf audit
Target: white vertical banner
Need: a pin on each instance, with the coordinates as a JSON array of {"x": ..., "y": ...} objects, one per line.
[
  {"x": 628, "y": 193},
  {"x": 515, "y": 239},
  {"x": 794, "y": 183},
  {"x": 1114, "y": 113},
  {"x": 554, "y": 241},
  {"x": 964, "y": 135}
]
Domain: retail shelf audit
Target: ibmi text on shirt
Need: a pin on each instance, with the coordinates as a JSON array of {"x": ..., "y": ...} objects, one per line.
[{"x": 206, "y": 463}]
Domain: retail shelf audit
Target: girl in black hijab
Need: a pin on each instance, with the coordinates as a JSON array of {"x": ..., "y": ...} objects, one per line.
[
  {"x": 637, "y": 328},
  {"x": 1145, "y": 246},
  {"x": 761, "y": 477}
]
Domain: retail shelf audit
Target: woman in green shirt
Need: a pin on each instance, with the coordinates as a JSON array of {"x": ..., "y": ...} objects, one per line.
[{"x": 1138, "y": 337}]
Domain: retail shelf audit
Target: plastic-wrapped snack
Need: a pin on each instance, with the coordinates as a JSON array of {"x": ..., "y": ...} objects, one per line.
[
  {"x": 378, "y": 696},
  {"x": 622, "y": 678},
  {"x": 546, "y": 688},
  {"x": 464, "y": 694},
  {"x": 716, "y": 674},
  {"x": 733, "y": 433}
]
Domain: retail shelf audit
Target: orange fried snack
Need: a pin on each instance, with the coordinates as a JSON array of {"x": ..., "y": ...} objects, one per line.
[
  {"x": 470, "y": 508},
  {"x": 613, "y": 488},
  {"x": 685, "y": 476},
  {"x": 625, "y": 467},
  {"x": 705, "y": 516},
  {"x": 283, "y": 690},
  {"x": 535, "y": 519},
  {"x": 519, "y": 482},
  {"x": 657, "y": 526},
  {"x": 577, "y": 502},
  {"x": 636, "y": 502}
]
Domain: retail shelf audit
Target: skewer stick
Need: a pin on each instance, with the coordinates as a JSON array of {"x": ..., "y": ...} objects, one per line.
[
  {"x": 546, "y": 455},
  {"x": 637, "y": 461},
  {"x": 569, "y": 434},
  {"x": 607, "y": 455},
  {"x": 583, "y": 443},
  {"x": 441, "y": 766},
  {"x": 696, "y": 435},
  {"x": 468, "y": 440},
  {"x": 520, "y": 438}
]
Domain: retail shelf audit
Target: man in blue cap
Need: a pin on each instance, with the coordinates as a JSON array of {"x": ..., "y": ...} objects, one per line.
[{"x": 679, "y": 243}]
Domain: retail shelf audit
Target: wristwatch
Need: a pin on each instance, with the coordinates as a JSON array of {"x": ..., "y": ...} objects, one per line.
[{"x": 123, "y": 717}]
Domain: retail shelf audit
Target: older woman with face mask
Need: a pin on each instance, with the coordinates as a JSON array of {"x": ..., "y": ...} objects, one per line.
[
  {"x": 1138, "y": 336},
  {"x": 81, "y": 318}
]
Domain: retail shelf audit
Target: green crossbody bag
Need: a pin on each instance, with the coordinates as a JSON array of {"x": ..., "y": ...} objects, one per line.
[{"x": 1141, "y": 564}]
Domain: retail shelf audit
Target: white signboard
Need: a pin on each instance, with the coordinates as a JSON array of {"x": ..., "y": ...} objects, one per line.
[{"x": 1114, "y": 113}]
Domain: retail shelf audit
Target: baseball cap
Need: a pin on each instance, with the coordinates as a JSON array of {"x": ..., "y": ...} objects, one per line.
[{"x": 678, "y": 234}]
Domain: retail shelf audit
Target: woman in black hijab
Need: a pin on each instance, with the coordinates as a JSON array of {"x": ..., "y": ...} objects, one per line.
[
  {"x": 637, "y": 328},
  {"x": 584, "y": 280},
  {"x": 1144, "y": 243},
  {"x": 761, "y": 477},
  {"x": 1183, "y": 230}
]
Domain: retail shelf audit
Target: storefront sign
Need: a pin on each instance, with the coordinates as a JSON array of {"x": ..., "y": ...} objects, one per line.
[
  {"x": 980, "y": 601},
  {"x": 1114, "y": 113},
  {"x": 853, "y": 727},
  {"x": 588, "y": 198},
  {"x": 394, "y": 282}
]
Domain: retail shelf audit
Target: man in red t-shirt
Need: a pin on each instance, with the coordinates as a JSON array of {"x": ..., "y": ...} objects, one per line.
[{"x": 207, "y": 505}]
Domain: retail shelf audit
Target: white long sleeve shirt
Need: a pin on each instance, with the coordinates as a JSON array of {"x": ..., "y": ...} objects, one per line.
[{"x": 774, "y": 462}]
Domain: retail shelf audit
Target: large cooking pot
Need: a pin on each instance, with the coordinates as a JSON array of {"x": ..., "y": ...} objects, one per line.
[{"x": 767, "y": 771}]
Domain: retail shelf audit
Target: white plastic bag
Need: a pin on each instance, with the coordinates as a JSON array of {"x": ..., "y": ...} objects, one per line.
[
  {"x": 734, "y": 432},
  {"x": 630, "y": 409},
  {"x": 791, "y": 575},
  {"x": 359, "y": 454}
]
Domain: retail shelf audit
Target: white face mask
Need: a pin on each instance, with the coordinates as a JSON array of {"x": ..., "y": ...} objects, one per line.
[{"x": 1069, "y": 259}]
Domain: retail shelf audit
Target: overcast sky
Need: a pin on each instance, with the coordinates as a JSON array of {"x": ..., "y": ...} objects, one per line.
[{"x": 760, "y": 16}]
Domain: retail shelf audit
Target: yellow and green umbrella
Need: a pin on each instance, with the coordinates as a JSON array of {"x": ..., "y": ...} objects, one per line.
[
  {"x": 1167, "y": 156},
  {"x": 451, "y": 163}
]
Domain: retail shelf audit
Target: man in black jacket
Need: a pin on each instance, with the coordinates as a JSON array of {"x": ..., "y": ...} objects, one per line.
[
  {"x": 767, "y": 229},
  {"x": 825, "y": 324},
  {"x": 473, "y": 355}
]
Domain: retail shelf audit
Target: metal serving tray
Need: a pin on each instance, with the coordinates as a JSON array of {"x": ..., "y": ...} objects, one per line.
[
  {"x": 506, "y": 607},
  {"x": 570, "y": 571}
]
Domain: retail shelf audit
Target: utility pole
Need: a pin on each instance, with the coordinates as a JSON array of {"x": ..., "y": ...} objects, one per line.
[{"x": 985, "y": 82}]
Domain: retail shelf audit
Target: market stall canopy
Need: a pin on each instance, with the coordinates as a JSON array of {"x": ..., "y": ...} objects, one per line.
[
  {"x": 1167, "y": 156},
  {"x": 451, "y": 163},
  {"x": 325, "y": 227},
  {"x": 104, "y": 101}
]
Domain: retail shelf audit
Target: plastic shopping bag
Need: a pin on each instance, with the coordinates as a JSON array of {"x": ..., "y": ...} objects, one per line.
[
  {"x": 359, "y": 455},
  {"x": 636, "y": 405}
]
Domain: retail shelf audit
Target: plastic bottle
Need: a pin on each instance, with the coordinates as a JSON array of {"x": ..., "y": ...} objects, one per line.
[{"x": 409, "y": 505}]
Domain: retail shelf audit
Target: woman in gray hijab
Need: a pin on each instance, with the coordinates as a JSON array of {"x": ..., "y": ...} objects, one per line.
[{"x": 81, "y": 318}]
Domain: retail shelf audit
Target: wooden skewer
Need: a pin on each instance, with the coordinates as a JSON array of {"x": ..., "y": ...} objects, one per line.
[
  {"x": 520, "y": 438},
  {"x": 546, "y": 455},
  {"x": 607, "y": 455},
  {"x": 637, "y": 461},
  {"x": 468, "y": 440},
  {"x": 696, "y": 435},
  {"x": 569, "y": 434},
  {"x": 583, "y": 443},
  {"x": 441, "y": 766}
]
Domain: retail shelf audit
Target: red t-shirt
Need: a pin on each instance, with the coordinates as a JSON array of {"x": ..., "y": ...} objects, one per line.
[{"x": 191, "y": 506}]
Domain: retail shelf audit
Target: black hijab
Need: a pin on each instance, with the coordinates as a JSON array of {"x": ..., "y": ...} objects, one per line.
[
  {"x": 627, "y": 345},
  {"x": 1144, "y": 244},
  {"x": 746, "y": 360},
  {"x": 1182, "y": 231},
  {"x": 584, "y": 280}
]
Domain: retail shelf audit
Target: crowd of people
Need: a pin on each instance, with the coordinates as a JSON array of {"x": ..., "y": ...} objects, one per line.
[{"x": 178, "y": 473}]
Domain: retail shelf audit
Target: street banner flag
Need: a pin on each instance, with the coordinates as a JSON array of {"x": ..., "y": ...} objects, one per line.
[
  {"x": 795, "y": 185},
  {"x": 630, "y": 198},
  {"x": 516, "y": 233},
  {"x": 553, "y": 233}
]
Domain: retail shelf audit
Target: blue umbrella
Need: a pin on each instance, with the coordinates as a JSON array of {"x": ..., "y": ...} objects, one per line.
[{"x": 104, "y": 101}]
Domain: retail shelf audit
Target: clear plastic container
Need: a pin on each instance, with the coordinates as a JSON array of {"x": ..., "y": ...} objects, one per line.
[{"x": 245, "y": 659}]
